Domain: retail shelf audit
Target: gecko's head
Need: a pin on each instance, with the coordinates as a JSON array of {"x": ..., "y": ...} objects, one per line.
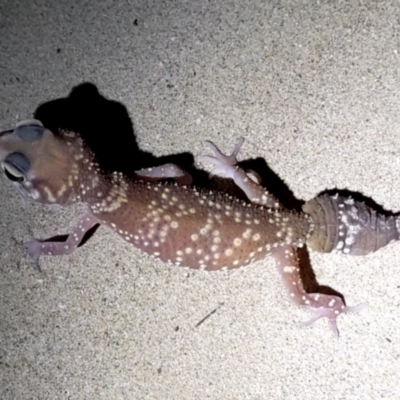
[{"x": 41, "y": 165}]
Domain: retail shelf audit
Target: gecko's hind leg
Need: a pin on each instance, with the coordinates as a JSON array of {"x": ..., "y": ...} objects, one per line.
[{"x": 324, "y": 305}]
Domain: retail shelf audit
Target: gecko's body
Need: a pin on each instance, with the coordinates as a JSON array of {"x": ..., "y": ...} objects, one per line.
[{"x": 184, "y": 225}]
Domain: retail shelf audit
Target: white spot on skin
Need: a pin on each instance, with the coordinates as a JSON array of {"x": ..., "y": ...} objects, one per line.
[
  {"x": 246, "y": 234},
  {"x": 35, "y": 194},
  {"x": 349, "y": 240},
  {"x": 49, "y": 194},
  {"x": 289, "y": 269},
  {"x": 237, "y": 242}
]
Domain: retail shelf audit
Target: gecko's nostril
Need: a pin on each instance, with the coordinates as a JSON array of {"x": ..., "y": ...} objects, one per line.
[
  {"x": 30, "y": 130},
  {"x": 15, "y": 166}
]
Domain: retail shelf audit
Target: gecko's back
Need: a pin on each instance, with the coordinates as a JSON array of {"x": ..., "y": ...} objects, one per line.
[{"x": 199, "y": 229}]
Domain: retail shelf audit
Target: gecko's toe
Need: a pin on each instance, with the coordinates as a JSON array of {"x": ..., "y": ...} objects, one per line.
[
  {"x": 332, "y": 314},
  {"x": 36, "y": 265}
]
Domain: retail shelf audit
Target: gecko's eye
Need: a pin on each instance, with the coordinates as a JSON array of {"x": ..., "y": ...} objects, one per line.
[
  {"x": 29, "y": 131},
  {"x": 15, "y": 166}
]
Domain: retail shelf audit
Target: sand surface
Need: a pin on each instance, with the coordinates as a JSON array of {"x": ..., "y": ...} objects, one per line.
[{"x": 314, "y": 89}]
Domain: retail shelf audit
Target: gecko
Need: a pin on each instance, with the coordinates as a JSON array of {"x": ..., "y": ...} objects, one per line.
[{"x": 182, "y": 224}]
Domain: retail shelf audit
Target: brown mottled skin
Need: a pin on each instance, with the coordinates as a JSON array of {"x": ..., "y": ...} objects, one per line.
[
  {"x": 182, "y": 224},
  {"x": 199, "y": 229}
]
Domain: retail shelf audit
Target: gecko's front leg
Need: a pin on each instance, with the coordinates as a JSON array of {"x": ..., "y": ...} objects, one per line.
[
  {"x": 227, "y": 166},
  {"x": 43, "y": 247},
  {"x": 165, "y": 171}
]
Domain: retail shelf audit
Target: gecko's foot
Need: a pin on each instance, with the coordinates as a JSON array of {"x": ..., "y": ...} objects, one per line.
[
  {"x": 33, "y": 251},
  {"x": 332, "y": 314},
  {"x": 222, "y": 164}
]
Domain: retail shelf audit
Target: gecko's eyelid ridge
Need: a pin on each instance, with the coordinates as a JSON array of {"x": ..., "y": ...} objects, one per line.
[
  {"x": 15, "y": 166},
  {"x": 30, "y": 130},
  {"x": 7, "y": 132}
]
